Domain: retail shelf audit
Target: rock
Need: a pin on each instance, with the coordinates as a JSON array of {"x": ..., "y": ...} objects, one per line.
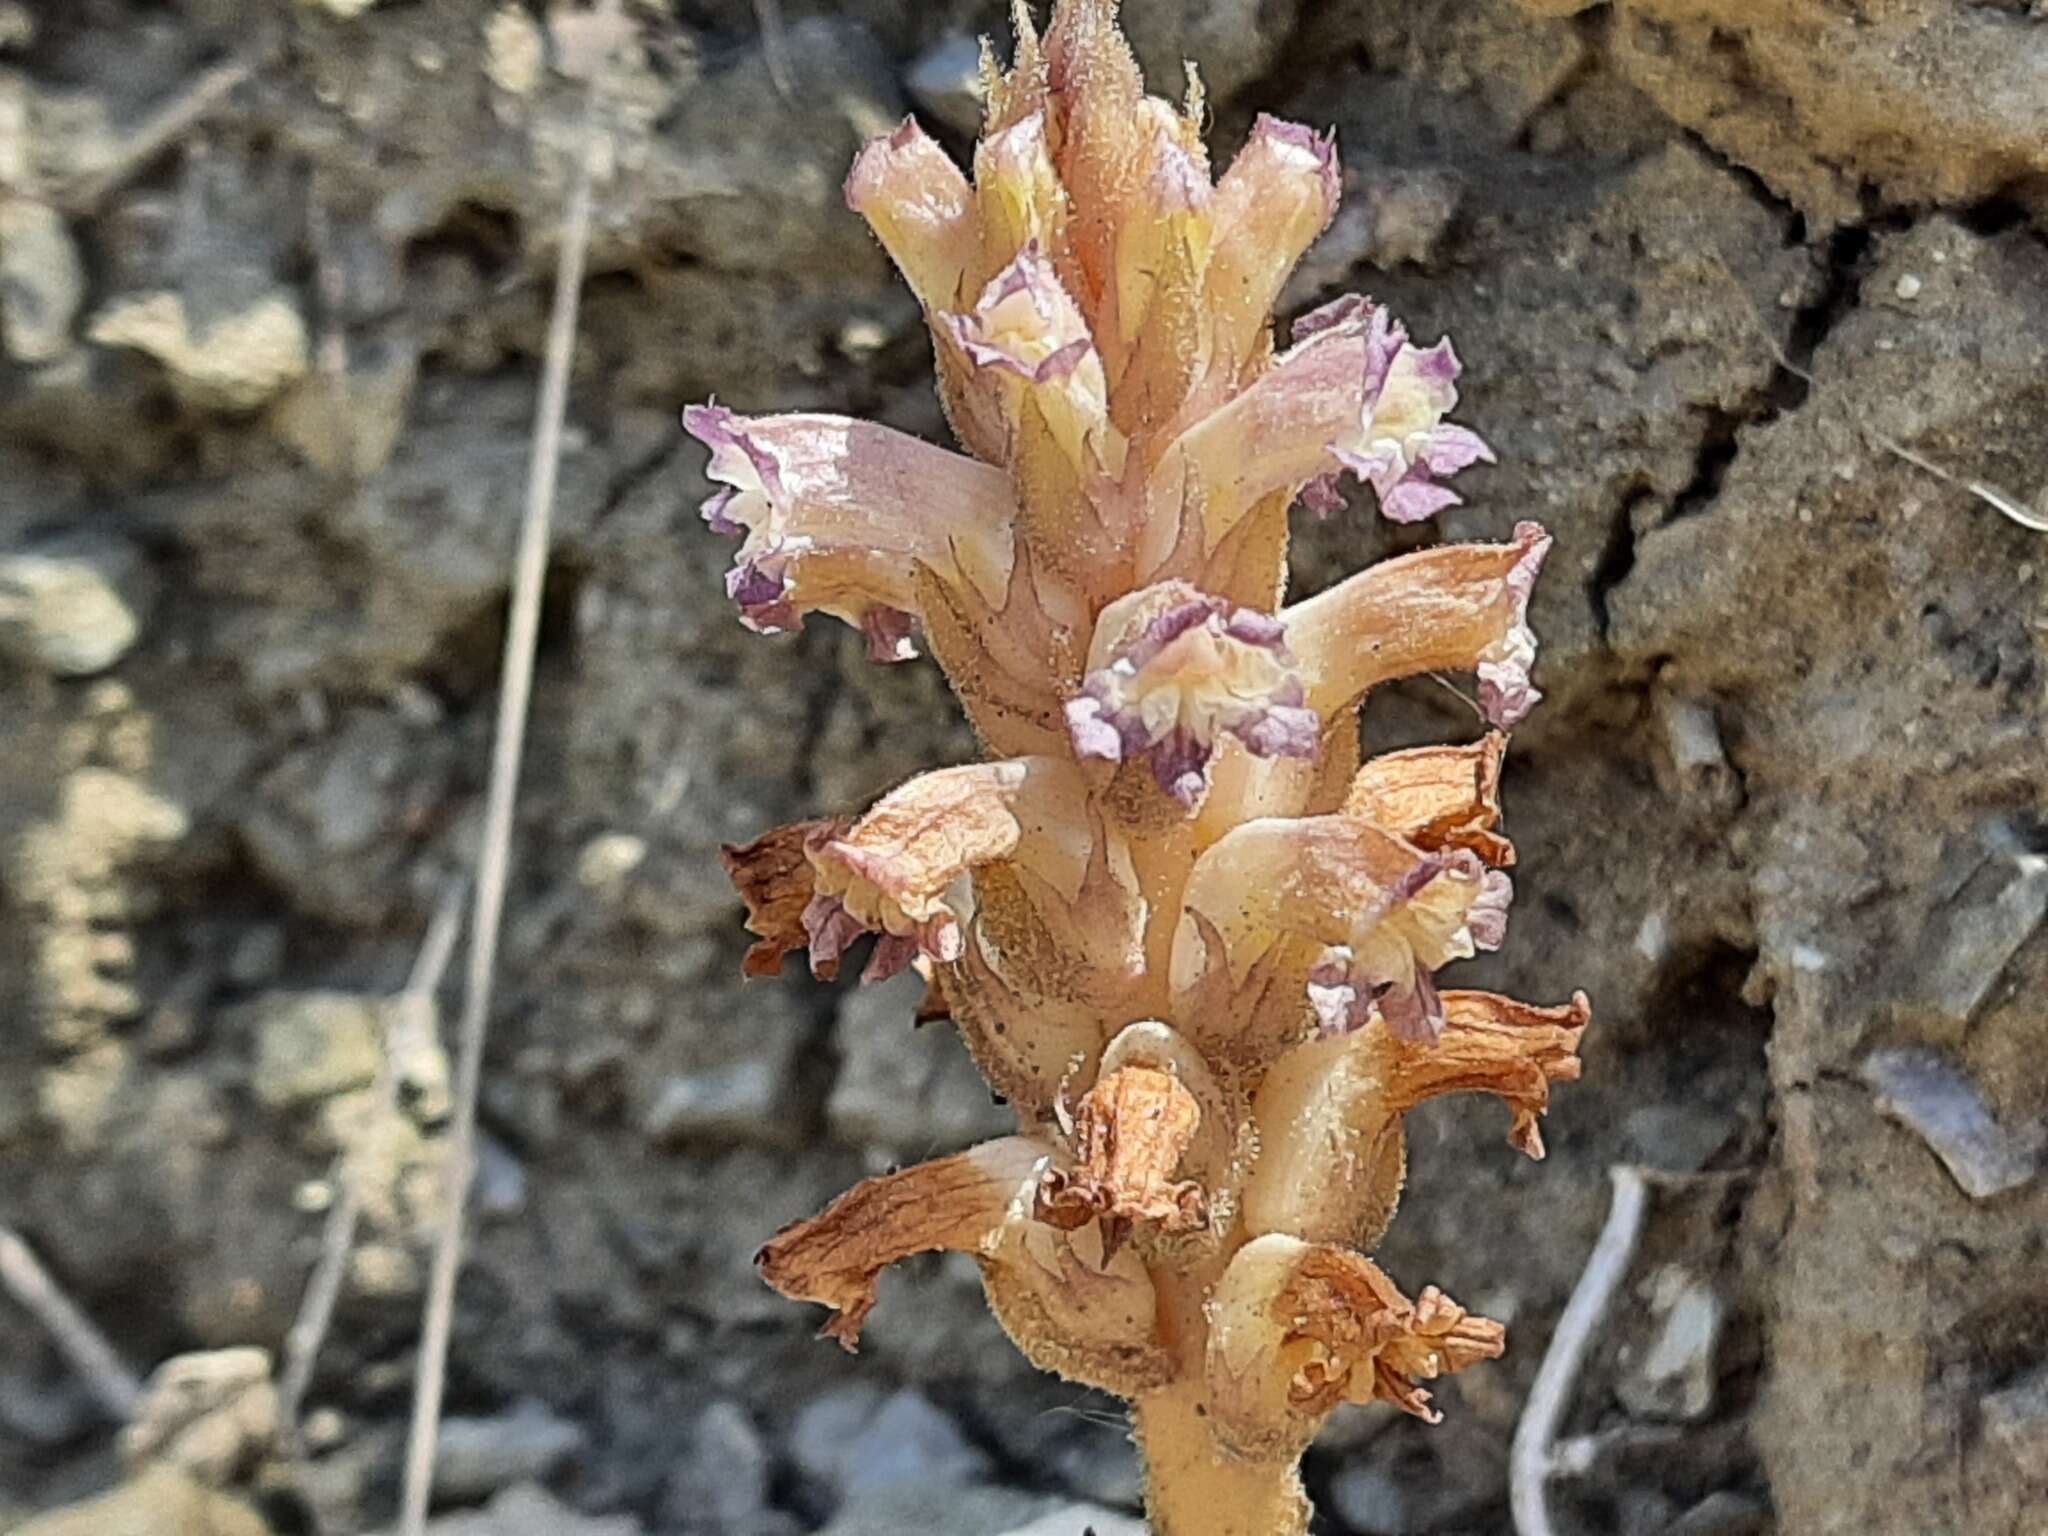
[
  {"x": 257, "y": 955},
  {"x": 1933, "y": 1098},
  {"x": 1232, "y": 41},
  {"x": 859, "y": 1443},
  {"x": 72, "y": 607},
  {"x": 311, "y": 1045},
  {"x": 740, "y": 1101},
  {"x": 1080, "y": 1520},
  {"x": 607, "y": 859},
  {"x": 1678, "y": 1138},
  {"x": 210, "y": 1415},
  {"x": 515, "y": 52},
  {"x": 478, "y": 1457},
  {"x": 721, "y": 1484},
  {"x": 159, "y": 1502},
  {"x": 499, "y": 1193},
  {"x": 2016, "y": 1420},
  {"x": 974, "y": 1511},
  {"x": 945, "y": 80},
  {"x": 902, "y": 1089},
  {"x": 347, "y": 10},
  {"x": 1975, "y": 935},
  {"x": 234, "y": 363},
  {"x": 1724, "y": 1513},
  {"x": 1674, "y": 1377},
  {"x": 45, "y": 1413},
  {"x": 348, "y": 422},
  {"x": 1369, "y": 1499},
  {"x": 771, "y": 190},
  {"x": 529, "y": 1510},
  {"x": 42, "y": 281}
]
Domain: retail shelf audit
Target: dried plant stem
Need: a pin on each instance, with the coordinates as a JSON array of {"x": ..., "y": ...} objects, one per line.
[
  {"x": 1532, "y": 1459},
  {"x": 775, "y": 47},
  {"x": 156, "y": 134},
  {"x": 111, "y": 1383},
  {"x": 338, "y": 1236},
  {"x": 514, "y": 691}
]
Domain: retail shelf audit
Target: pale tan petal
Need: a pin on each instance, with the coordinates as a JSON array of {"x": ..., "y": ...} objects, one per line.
[
  {"x": 1297, "y": 1328},
  {"x": 1452, "y": 608},
  {"x": 922, "y": 210},
  {"x": 960, "y": 1202},
  {"x": 775, "y": 879},
  {"x": 1437, "y": 797},
  {"x": 1130, "y": 1134},
  {"x": 1492, "y": 1044},
  {"x": 1075, "y": 1308}
]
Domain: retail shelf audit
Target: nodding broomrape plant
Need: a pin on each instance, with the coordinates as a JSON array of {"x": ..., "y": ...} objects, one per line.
[{"x": 1181, "y": 927}]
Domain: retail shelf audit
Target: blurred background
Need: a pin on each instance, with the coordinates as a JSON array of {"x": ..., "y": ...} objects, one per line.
[{"x": 1749, "y": 292}]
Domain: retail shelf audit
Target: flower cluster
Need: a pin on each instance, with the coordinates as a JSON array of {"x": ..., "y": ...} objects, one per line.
[{"x": 1182, "y": 928}]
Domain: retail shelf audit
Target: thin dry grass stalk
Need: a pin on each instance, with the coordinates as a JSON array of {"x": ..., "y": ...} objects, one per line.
[
  {"x": 1533, "y": 1458},
  {"x": 111, "y": 1383},
  {"x": 514, "y": 692},
  {"x": 411, "y": 1008}
]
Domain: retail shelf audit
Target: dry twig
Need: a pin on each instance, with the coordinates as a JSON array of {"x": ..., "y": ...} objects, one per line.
[
  {"x": 338, "y": 1236},
  {"x": 111, "y": 1383},
  {"x": 514, "y": 690},
  {"x": 775, "y": 47},
  {"x": 164, "y": 127},
  {"x": 1534, "y": 1458}
]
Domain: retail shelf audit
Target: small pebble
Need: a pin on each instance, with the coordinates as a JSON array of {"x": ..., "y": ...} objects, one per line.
[
  {"x": 1908, "y": 286},
  {"x": 1926, "y": 1093}
]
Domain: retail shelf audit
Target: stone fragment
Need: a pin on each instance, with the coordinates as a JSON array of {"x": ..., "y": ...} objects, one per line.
[
  {"x": 771, "y": 191},
  {"x": 42, "y": 281},
  {"x": 1078, "y": 1520},
  {"x": 975, "y": 1511},
  {"x": 1368, "y": 1497},
  {"x": 499, "y": 1193},
  {"x": 1976, "y": 933},
  {"x": 1724, "y": 1513},
  {"x": 347, "y": 10},
  {"x": 1933, "y": 1098},
  {"x": 514, "y": 50},
  {"x": 1674, "y": 1377},
  {"x": 311, "y": 1045},
  {"x": 211, "y": 1415},
  {"x": 945, "y": 80},
  {"x": 47, "y": 1413},
  {"x": 477, "y": 1457},
  {"x": 721, "y": 1484},
  {"x": 529, "y": 1510},
  {"x": 348, "y": 422},
  {"x": 607, "y": 859},
  {"x": 159, "y": 1502},
  {"x": 1230, "y": 41},
  {"x": 234, "y": 363},
  {"x": 859, "y": 1443},
  {"x": 736, "y": 1102},
  {"x": 74, "y": 606},
  {"x": 901, "y": 1089},
  {"x": 2016, "y": 1420}
]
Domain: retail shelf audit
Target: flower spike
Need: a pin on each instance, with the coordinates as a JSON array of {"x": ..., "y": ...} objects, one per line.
[{"x": 1182, "y": 929}]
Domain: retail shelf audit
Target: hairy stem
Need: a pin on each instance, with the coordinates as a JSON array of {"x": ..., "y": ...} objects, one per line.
[{"x": 1194, "y": 1485}]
